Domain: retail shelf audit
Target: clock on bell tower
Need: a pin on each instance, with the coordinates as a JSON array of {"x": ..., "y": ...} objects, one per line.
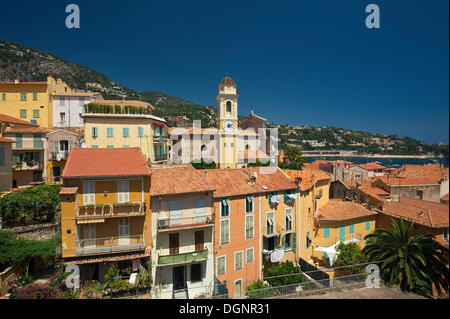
[{"x": 227, "y": 120}]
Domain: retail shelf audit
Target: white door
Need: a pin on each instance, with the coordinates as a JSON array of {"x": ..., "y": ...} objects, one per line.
[
  {"x": 89, "y": 235},
  {"x": 124, "y": 231}
]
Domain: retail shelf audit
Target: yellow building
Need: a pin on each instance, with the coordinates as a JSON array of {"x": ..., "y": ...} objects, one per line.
[
  {"x": 105, "y": 210},
  {"x": 31, "y": 101},
  {"x": 5, "y": 164},
  {"x": 122, "y": 124}
]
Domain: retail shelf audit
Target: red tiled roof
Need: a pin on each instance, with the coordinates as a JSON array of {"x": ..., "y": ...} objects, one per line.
[
  {"x": 272, "y": 179},
  {"x": 178, "y": 180},
  {"x": 252, "y": 154},
  {"x": 107, "y": 259},
  {"x": 372, "y": 166},
  {"x": 101, "y": 162},
  {"x": 423, "y": 212},
  {"x": 357, "y": 182},
  {"x": 338, "y": 210},
  {"x": 375, "y": 192},
  {"x": 433, "y": 171},
  {"x": 68, "y": 190},
  {"x": 406, "y": 181},
  {"x": 28, "y": 130},
  {"x": 124, "y": 102},
  {"x": 445, "y": 197},
  {"x": 6, "y": 140},
  {"x": 10, "y": 119},
  {"x": 305, "y": 176}
]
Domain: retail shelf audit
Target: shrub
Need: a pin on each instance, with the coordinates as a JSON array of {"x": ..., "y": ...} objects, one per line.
[
  {"x": 259, "y": 289},
  {"x": 351, "y": 254},
  {"x": 92, "y": 291},
  {"x": 284, "y": 274}
]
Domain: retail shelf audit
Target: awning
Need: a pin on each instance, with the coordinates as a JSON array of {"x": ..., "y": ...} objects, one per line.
[
  {"x": 90, "y": 221},
  {"x": 271, "y": 235}
]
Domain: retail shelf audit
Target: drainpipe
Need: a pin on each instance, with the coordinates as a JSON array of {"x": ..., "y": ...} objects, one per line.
[
  {"x": 260, "y": 241},
  {"x": 299, "y": 233}
]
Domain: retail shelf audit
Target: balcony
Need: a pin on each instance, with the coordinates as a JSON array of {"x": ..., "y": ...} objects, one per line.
[
  {"x": 160, "y": 139},
  {"x": 59, "y": 156},
  {"x": 109, "y": 245},
  {"x": 184, "y": 258},
  {"x": 110, "y": 211},
  {"x": 161, "y": 157},
  {"x": 28, "y": 165},
  {"x": 165, "y": 223}
]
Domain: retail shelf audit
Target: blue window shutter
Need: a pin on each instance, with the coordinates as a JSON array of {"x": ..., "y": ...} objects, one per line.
[
  {"x": 342, "y": 233},
  {"x": 326, "y": 232},
  {"x": 352, "y": 228},
  {"x": 368, "y": 225}
]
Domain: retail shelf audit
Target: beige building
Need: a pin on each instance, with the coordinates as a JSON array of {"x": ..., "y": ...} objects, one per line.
[
  {"x": 31, "y": 101},
  {"x": 123, "y": 124},
  {"x": 5, "y": 164}
]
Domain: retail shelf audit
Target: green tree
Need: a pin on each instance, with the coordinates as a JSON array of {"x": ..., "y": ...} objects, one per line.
[
  {"x": 293, "y": 158},
  {"x": 276, "y": 275},
  {"x": 259, "y": 289},
  {"x": 204, "y": 165},
  {"x": 407, "y": 259},
  {"x": 350, "y": 254}
]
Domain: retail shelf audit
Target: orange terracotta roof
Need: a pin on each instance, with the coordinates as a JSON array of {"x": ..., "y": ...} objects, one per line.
[
  {"x": 434, "y": 215},
  {"x": 238, "y": 181},
  {"x": 10, "y": 119},
  {"x": 7, "y": 140},
  {"x": 76, "y": 94},
  {"x": 124, "y": 102},
  {"x": 27, "y": 130},
  {"x": 339, "y": 210},
  {"x": 68, "y": 190},
  {"x": 354, "y": 182},
  {"x": 433, "y": 171},
  {"x": 178, "y": 180},
  {"x": 445, "y": 197},
  {"x": 305, "y": 176},
  {"x": 375, "y": 192},
  {"x": 95, "y": 259},
  {"x": 406, "y": 181},
  {"x": 372, "y": 166},
  {"x": 102, "y": 162},
  {"x": 227, "y": 80}
]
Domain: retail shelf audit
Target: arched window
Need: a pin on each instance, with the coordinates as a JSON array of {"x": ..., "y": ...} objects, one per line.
[{"x": 228, "y": 109}]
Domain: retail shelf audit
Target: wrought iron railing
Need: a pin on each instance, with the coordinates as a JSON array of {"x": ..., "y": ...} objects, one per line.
[
  {"x": 109, "y": 244},
  {"x": 111, "y": 210}
]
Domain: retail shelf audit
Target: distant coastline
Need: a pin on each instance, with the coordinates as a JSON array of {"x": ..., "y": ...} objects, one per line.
[{"x": 374, "y": 156}]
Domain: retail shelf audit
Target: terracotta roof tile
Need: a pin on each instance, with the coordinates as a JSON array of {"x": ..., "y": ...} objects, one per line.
[
  {"x": 27, "y": 130},
  {"x": 337, "y": 209},
  {"x": 372, "y": 166},
  {"x": 10, "y": 119},
  {"x": 305, "y": 176},
  {"x": 252, "y": 154},
  {"x": 357, "y": 182},
  {"x": 375, "y": 192},
  {"x": 178, "y": 180},
  {"x": 7, "y": 140},
  {"x": 423, "y": 212},
  {"x": 124, "y": 102},
  {"x": 68, "y": 190},
  {"x": 406, "y": 181},
  {"x": 433, "y": 171},
  {"x": 101, "y": 162}
]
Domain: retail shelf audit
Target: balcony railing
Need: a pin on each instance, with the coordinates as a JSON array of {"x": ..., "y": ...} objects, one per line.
[
  {"x": 27, "y": 165},
  {"x": 167, "y": 223},
  {"x": 160, "y": 139},
  {"x": 112, "y": 210},
  {"x": 59, "y": 156},
  {"x": 109, "y": 244},
  {"x": 183, "y": 258},
  {"x": 161, "y": 157}
]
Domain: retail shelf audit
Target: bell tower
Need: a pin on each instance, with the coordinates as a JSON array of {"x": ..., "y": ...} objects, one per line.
[{"x": 227, "y": 120}]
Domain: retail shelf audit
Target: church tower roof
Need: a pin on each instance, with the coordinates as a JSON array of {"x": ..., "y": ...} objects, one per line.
[{"x": 227, "y": 81}]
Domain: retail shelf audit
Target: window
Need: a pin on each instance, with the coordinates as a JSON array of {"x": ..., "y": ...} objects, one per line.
[
  {"x": 289, "y": 241},
  {"x": 308, "y": 239},
  {"x": 63, "y": 145},
  {"x": 289, "y": 196},
  {"x": 445, "y": 235},
  {"x": 420, "y": 194},
  {"x": 109, "y": 146},
  {"x": 23, "y": 96},
  {"x": 249, "y": 255},
  {"x": 368, "y": 225},
  {"x": 351, "y": 229},
  {"x": 228, "y": 108},
  {"x": 82, "y": 102},
  {"x": 289, "y": 218},
  {"x": 88, "y": 193},
  {"x": 224, "y": 231},
  {"x": 126, "y": 146},
  {"x": 140, "y": 132},
  {"x": 326, "y": 232},
  {"x": 249, "y": 203},
  {"x": 196, "y": 272},
  {"x": 126, "y": 132},
  {"x": 62, "y": 116},
  {"x": 36, "y": 114},
  {"x": 23, "y": 113},
  {"x": 221, "y": 265},
  {"x": 123, "y": 191},
  {"x": 34, "y": 96},
  {"x": 94, "y": 146},
  {"x": 225, "y": 207},
  {"x": 238, "y": 260},
  {"x": 37, "y": 141},
  {"x": 273, "y": 198},
  {"x": 109, "y": 132},
  {"x": 94, "y": 132},
  {"x": 2, "y": 156},
  {"x": 62, "y": 101},
  {"x": 3, "y": 97},
  {"x": 270, "y": 223},
  {"x": 249, "y": 226}
]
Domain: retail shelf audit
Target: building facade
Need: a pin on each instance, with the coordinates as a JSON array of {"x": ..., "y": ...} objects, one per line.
[
  {"x": 105, "y": 211},
  {"x": 5, "y": 164}
]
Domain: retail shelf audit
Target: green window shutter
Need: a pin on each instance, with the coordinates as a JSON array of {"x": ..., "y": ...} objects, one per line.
[
  {"x": 109, "y": 132},
  {"x": 110, "y": 146},
  {"x": 277, "y": 242},
  {"x": 266, "y": 244},
  {"x": 283, "y": 241},
  {"x": 37, "y": 142},
  {"x": 342, "y": 233},
  {"x": 140, "y": 132},
  {"x": 55, "y": 146},
  {"x": 367, "y": 224},
  {"x": 326, "y": 232},
  {"x": 294, "y": 240},
  {"x": 2, "y": 156},
  {"x": 126, "y": 146},
  {"x": 34, "y": 96},
  {"x": 36, "y": 114},
  {"x": 94, "y": 132},
  {"x": 23, "y": 96},
  {"x": 3, "y": 97},
  {"x": 352, "y": 229},
  {"x": 70, "y": 145},
  {"x": 94, "y": 146},
  {"x": 19, "y": 141},
  {"x": 125, "y": 132},
  {"x": 285, "y": 196},
  {"x": 325, "y": 255},
  {"x": 156, "y": 131},
  {"x": 23, "y": 113}
]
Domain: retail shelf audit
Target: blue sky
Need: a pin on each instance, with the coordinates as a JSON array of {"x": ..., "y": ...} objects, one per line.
[{"x": 297, "y": 62}]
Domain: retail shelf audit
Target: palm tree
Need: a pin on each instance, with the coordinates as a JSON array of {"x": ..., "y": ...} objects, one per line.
[{"x": 407, "y": 259}]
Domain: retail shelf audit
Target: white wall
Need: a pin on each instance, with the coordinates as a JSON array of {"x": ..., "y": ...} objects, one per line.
[{"x": 72, "y": 108}]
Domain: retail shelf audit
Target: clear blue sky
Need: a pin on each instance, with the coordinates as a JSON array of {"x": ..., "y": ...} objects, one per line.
[{"x": 297, "y": 62}]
